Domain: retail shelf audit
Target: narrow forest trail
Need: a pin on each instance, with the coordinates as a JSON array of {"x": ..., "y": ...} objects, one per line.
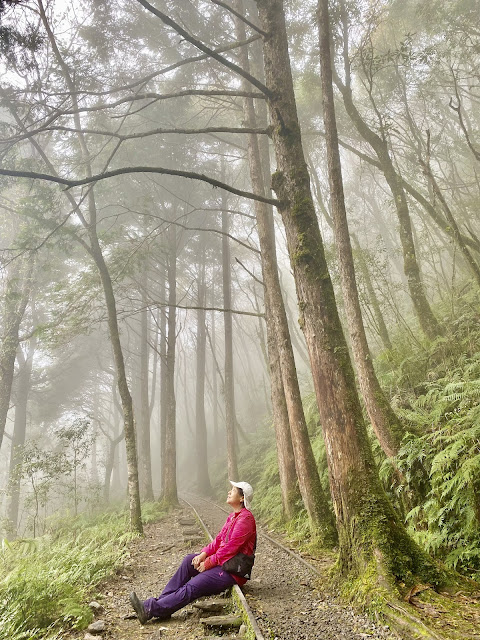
[
  {"x": 283, "y": 594},
  {"x": 288, "y": 600}
]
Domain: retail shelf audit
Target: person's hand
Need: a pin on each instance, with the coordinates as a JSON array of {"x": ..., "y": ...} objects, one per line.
[
  {"x": 198, "y": 559},
  {"x": 201, "y": 567}
]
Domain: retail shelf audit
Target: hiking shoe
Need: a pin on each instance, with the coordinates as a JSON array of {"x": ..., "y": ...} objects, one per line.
[{"x": 139, "y": 608}]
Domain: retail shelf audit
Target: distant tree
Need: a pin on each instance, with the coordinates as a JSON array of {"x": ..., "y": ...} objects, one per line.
[{"x": 76, "y": 439}]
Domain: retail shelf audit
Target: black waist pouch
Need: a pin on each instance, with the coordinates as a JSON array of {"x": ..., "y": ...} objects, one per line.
[{"x": 240, "y": 565}]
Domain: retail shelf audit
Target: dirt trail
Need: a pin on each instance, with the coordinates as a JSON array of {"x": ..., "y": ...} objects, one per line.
[
  {"x": 153, "y": 560},
  {"x": 287, "y": 600}
]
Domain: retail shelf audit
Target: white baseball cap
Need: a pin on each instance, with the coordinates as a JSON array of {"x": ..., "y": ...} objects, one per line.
[{"x": 247, "y": 491}]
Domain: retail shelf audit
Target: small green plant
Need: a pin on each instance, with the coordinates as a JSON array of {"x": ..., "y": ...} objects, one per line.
[{"x": 45, "y": 584}]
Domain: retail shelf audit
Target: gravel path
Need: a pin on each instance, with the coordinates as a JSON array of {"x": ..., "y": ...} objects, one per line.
[
  {"x": 153, "y": 560},
  {"x": 287, "y": 599}
]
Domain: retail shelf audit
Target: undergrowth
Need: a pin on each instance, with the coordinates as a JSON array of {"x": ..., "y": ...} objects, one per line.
[
  {"x": 434, "y": 387},
  {"x": 46, "y": 583}
]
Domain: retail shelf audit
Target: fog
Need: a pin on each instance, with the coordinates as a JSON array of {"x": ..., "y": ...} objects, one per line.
[{"x": 147, "y": 281}]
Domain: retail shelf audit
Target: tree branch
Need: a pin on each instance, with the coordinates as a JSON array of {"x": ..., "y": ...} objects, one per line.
[
  {"x": 125, "y": 170},
  {"x": 211, "y": 52},
  {"x": 187, "y": 228},
  {"x": 250, "y": 273},
  {"x": 151, "y": 95},
  {"x": 151, "y": 76},
  {"x": 154, "y": 132},
  {"x": 156, "y": 304},
  {"x": 242, "y": 18}
]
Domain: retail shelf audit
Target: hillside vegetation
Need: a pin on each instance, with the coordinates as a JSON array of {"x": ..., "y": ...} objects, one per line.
[{"x": 434, "y": 387}]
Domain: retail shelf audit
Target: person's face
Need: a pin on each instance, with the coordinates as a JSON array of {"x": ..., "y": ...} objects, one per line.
[{"x": 234, "y": 497}]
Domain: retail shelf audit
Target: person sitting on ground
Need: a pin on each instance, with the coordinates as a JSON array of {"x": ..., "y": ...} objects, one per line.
[{"x": 203, "y": 574}]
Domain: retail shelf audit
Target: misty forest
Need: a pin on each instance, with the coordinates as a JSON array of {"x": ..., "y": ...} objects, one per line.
[{"x": 240, "y": 241}]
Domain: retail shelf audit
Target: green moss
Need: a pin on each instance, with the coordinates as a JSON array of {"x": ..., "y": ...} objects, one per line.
[
  {"x": 376, "y": 536},
  {"x": 238, "y": 606},
  {"x": 290, "y": 134},
  {"x": 277, "y": 181},
  {"x": 302, "y": 207}
]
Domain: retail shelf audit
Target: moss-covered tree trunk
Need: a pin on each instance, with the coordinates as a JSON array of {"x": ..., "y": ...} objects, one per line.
[
  {"x": 292, "y": 434},
  {"x": 385, "y": 423},
  {"x": 370, "y": 534}
]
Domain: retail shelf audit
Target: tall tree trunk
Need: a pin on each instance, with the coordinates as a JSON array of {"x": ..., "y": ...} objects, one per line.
[
  {"x": 385, "y": 423},
  {"x": 144, "y": 431},
  {"x": 18, "y": 437},
  {"x": 213, "y": 346},
  {"x": 375, "y": 304},
  {"x": 124, "y": 391},
  {"x": 169, "y": 489},
  {"x": 452, "y": 223},
  {"x": 370, "y": 533},
  {"x": 17, "y": 294},
  {"x": 291, "y": 429},
  {"x": 95, "y": 422},
  {"x": 203, "y": 479},
  {"x": 163, "y": 372},
  {"x": 97, "y": 255},
  {"x": 229, "y": 387},
  {"x": 110, "y": 463},
  {"x": 423, "y": 311}
]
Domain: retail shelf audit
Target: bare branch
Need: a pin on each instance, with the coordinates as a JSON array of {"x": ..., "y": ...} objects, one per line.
[
  {"x": 154, "y": 132},
  {"x": 211, "y": 52},
  {"x": 208, "y": 230},
  {"x": 250, "y": 273},
  {"x": 125, "y": 170},
  {"x": 150, "y": 76},
  {"x": 242, "y": 18},
  {"x": 151, "y": 95},
  {"x": 235, "y": 311}
]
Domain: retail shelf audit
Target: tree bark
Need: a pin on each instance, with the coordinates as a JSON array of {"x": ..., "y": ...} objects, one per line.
[
  {"x": 370, "y": 534},
  {"x": 203, "y": 479},
  {"x": 290, "y": 427}
]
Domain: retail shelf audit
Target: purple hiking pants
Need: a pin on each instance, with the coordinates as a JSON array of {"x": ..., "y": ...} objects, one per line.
[{"x": 187, "y": 585}]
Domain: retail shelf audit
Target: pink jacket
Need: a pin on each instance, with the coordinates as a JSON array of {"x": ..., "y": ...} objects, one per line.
[{"x": 238, "y": 535}]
